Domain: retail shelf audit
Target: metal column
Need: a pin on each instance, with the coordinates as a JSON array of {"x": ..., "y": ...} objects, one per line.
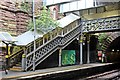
[
  {"x": 7, "y": 57},
  {"x": 60, "y": 58},
  {"x": 24, "y": 60},
  {"x": 81, "y": 50},
  {"x": 7, "y": 61},
  {"x": 33, "y": 5},
  {"x": 88, "y": 49}
]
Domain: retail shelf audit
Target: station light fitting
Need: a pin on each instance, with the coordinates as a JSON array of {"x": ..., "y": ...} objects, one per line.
[
  {"x": 118, "y": 50},
  {"x": 113, "y": 50}
]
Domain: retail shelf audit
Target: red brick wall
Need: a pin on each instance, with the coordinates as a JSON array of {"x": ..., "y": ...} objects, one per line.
[
  {"x": 21, "y": 22},
  {"x": 12, "y": 20},
  {"x": 57, "y": 11}
]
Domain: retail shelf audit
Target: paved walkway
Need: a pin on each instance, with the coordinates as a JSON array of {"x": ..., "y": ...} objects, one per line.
[{"x": 42, "y": 72}]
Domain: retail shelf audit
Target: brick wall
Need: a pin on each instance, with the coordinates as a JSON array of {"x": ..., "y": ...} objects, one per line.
[
  {"x": 21, "y": 22},
  {"x": 56, "y": 8},
  {"x": 12, "y": 20},
  {"x": 8, "y": 21}
]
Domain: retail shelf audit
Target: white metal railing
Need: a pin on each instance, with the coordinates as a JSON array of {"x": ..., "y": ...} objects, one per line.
[{"x": 50, "y": 46}]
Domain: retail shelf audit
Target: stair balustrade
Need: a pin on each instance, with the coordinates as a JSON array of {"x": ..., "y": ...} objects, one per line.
[
  {"x": 42, "y": 52},
  {"x": 62, "y": 39},
  {"x": 102, "y": 25}
]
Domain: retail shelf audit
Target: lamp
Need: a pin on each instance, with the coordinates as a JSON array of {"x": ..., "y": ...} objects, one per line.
[{"x": 113, "y": 50}]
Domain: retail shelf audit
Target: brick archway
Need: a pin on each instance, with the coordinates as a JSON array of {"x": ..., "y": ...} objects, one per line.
[{"x": 112, "y": 36}]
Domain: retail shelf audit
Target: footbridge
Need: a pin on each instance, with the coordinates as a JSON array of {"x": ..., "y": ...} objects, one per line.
[{"x": 63, "y": 35}]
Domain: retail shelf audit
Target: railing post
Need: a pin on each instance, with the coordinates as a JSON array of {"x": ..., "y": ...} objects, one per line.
[
  {"x": 7, "y": 57},
  {"x": 24, "y": 60},
  {"x": 43, "y": 40},
  {"x": 57, "y": 32},
  {"x": 62, "y": 33},
  {"x": 50, "y": 36},
  {"x": 60, "y": 53}
]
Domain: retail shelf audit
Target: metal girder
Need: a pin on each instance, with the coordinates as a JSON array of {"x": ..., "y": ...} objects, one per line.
[
  {"x": 60, "y": 3},
  {"x": 102, "y": 25}
]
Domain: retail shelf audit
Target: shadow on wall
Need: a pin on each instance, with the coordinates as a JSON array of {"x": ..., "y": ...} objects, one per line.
[{"x": 113, "y": 56}]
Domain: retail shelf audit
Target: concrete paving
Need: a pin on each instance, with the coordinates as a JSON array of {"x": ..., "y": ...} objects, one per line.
[{"x": 42, "y": 72}]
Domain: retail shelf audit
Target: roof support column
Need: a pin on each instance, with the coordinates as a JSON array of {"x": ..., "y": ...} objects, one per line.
[
  {"x": 88, "y": 49},
  {"x": 24, "y": 60},
  {"x": 7, "y": 62},
  {"x": 60, "y": 58},
  {"x": 81, "y": 49}
]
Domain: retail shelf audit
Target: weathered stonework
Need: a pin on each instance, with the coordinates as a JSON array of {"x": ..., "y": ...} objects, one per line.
[
  {"x": 12, "y": 19},
  {"x": 21, "y": 22}
]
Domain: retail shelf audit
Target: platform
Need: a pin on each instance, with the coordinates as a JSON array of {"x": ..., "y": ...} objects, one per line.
[{"x": 49, "y": 71}]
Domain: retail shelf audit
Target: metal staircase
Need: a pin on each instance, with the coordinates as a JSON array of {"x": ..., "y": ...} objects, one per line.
[
  {"x": 42, "y": 52},
  {"x": 15, "y": 61},
  {"x": 63, "y": 38}
]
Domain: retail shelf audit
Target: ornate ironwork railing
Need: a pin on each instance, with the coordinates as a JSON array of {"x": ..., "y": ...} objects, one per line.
[
  {"x": 97, "y": 25},
  {"x": 102, "y": 25},
  {"x": 44, "y": 51},
  {"x": 46, "y": 48}
]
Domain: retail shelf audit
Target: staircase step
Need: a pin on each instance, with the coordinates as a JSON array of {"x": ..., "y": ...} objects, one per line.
[{"x": 15, "y": 68}]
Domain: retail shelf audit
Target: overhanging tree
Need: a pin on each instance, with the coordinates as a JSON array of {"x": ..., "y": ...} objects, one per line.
[{"x": 44, "y": 22}]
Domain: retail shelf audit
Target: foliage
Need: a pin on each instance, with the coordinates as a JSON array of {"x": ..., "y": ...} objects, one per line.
[
  {"x": 101, "y": 39},
  {"x": 44, "y": 22}
]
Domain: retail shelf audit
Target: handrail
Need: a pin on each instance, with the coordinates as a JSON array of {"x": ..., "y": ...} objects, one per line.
[
  {"x": 14, "y": 54},
  {"x": 43, "y": 55},
  {"x": 63, "y": 41},
  {"x": 100, "y": 18},
  {"x": 108, "y": 24},
  {"x": 41, "y": 52},
  {"x": 50, "y": 41}
]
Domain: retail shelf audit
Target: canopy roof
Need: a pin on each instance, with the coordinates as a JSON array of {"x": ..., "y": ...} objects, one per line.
[
  {"x": 67, "y": 20},
  {"x": 2, "y": 44},
  {"x": 26, "y": 38},
  {"x": 5, "y": 36}
]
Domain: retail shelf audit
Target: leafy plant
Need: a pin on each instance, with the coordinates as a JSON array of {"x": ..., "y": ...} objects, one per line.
[
  {"x": 44, "y": 22},
  {"x": 101, "y": 39}
]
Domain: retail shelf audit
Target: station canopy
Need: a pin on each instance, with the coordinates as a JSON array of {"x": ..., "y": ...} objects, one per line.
[
  {"x": 26, "y": 38},
  {"x": 5, "y": 36},
  {"x": 67, "y": 20}
]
